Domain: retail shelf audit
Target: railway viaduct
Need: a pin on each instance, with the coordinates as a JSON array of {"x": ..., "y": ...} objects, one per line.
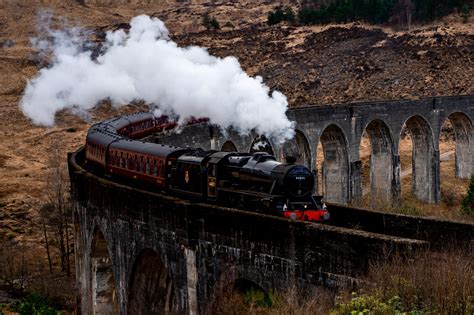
[
  {"x": 339, "y": 128},
  {"x": 139, "y": 252}
]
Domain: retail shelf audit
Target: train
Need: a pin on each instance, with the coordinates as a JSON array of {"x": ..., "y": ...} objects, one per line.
[{"x": 255, "y": 182}]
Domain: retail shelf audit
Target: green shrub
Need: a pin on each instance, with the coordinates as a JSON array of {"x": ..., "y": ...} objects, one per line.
[
  {"x": 36, "y": 304},
  {"x": 368, "y": 304},
  {"x": 281, "y": 14},
  {"x": 467, "y": 204},
  {"x": 258, "y": 298}
]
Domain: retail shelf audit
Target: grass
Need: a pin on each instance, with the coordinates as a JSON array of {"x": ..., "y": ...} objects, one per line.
[
  {"x": 437, "y": 282},
  {"x": 228, "y": 299}
]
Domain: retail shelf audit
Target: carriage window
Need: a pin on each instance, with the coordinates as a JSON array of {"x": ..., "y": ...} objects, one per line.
[
  {"x": 162, "y": 169},
  {"x": 126, "y": 161},
  {"x": 112, "y": 159},
  {"x": 141, "y": 164},
  {"x": 154, "y": 168},
  {"x": 147, "y": 170}
]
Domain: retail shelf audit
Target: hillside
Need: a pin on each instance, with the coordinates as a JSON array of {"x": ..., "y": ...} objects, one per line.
[
  {"x": 312, "y": 65},
  {"x": 344, "y": 63}
]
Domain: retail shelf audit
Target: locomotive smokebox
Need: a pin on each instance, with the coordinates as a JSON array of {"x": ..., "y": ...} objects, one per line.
[{"x": 273, "y": 177}]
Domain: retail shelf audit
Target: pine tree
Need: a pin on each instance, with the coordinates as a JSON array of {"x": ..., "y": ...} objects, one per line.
[
  {"x": 206, "y": 21},
  {"x": 465, "y": 12},
  {"x": 215, "y": 24},
  {"x": 210, "y": 22},
  {"x": 467, "y": 204}
]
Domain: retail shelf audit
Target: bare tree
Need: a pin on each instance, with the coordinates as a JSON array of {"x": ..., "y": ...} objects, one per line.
[
  {"x": 409, "y": 7},
  {"x": 403, "y": 13},
  {"x": 45, "y": 213},
  {"x": 58, "y": 209},
  {"x": 14, "y": 271}
]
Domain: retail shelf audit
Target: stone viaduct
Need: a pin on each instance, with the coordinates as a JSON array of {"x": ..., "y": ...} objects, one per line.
[
  {"x": 339, "y": 128},
  {"x": 139, "y": 252}
]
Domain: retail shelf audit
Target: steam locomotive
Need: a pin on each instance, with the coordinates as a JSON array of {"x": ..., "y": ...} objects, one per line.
[{"x": 254, "y": 182}]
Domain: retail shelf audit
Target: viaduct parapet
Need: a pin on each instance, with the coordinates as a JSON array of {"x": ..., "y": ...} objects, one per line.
[{"x": 339, "y": 128}]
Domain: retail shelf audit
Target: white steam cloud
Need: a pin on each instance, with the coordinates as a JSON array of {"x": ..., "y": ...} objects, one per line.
[{"x": 144, "y": 64}]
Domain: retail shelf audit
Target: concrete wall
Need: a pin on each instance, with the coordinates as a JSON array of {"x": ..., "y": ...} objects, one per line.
[{"x": 187, "y": 248}]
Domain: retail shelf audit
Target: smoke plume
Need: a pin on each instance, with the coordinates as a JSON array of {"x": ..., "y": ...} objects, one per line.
[{"x": 144, "y": 64}]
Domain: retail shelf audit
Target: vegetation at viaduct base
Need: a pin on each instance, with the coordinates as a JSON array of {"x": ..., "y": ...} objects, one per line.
[{"x": 398, "y": 287}]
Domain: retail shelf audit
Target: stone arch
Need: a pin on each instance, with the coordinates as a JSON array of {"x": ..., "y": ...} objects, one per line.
[
  {"x": 104, "y": 293},
  {"x": 382, "y": 161},
  {"x": 336, "y": 165},
  {"x": 464, "y": 150},
  {"x": 151, "y": 290},
  {"x": 229, "y": 146},
  {"x": 299, "y": 148},
  {"x": 261, "y": 144},
  {"x": 425, "y": 161}
]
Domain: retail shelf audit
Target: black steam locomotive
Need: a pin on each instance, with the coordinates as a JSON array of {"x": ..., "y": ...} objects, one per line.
[{"x": 252, "y": 182}]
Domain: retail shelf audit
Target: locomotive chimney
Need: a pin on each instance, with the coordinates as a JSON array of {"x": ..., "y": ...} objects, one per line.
[{"x": 290, "y": 159}]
